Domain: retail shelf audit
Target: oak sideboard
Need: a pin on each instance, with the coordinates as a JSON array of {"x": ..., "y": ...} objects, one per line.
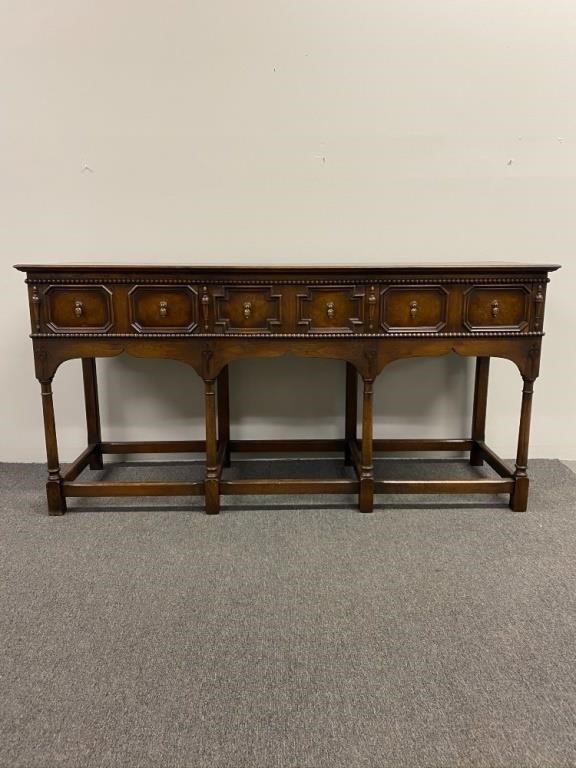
[{"x": 209, "y": 316}]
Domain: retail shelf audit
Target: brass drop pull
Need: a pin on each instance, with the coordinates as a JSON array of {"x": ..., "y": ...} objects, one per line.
[
  {"x": 163, "y": 308},
  {"x": 495, "y": 306},
  {"x": 330, "y": 309},
  {"x": 247, "y": 309},
  {"x": 78, "y": 308},
  {"x": 413, "y": 309}
]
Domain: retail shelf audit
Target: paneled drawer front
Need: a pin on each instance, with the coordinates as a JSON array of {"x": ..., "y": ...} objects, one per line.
[
  {"x": 330, "y": 308},
  {"x": 164, "y": 309},
  {"x": 487, "y": 308},
  {"x": 245, "y": 309},
  {"x": 403, "y": 308},
  {"x": 78, "y": 308}
]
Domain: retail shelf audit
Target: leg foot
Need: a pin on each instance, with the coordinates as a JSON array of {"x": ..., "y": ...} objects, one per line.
[
  {"x": 56, "y": 498},
  {"x": 96, "y": 461},
  {"x": 476, "y": 459},
  {"x": 519, "y": 496},
  {"x": 212, "y": 496},
  {"x": 367, "y": 495}
]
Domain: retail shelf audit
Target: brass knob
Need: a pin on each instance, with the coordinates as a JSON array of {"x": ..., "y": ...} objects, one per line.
[
  {"x": 495, "y": 306},
  {"x": 163, "y": 308},
  {"x": 413, "y": 309},
  {"x": 330, "y": 309},
  {"x": 78, "y": 308},
  {"x": 247, "y": 309}
]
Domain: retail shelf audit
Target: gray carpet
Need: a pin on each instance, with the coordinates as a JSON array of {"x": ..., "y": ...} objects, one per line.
[{"x": 287, "y": 634}]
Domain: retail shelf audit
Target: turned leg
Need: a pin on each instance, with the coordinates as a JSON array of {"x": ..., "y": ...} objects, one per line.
[
  {"x": 211, "y": 481},
  {"x": 224, "y": 413},
  {"x": 479, "y": 408},
  {"x": 351, "y": 411},
  {"x": 54, "y": 489},
  {"x": 92, "y": 411},
  {"x": 519, "y": 496},
  {"x": 367, "y": 468}
]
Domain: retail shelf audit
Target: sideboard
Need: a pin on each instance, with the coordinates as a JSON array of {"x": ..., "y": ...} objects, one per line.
[{"x": 365, "y": 316}]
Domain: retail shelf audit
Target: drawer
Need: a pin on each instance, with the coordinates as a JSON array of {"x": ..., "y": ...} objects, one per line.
[
  {"x": 78, "y": 308},
  {"x": 158, "y": 308},
  {"x": 330, "y": 309},
  {"x": 245, "y": 309},
  {"x": 405, "y": 308},
  {"x": 496, "y": 308}
]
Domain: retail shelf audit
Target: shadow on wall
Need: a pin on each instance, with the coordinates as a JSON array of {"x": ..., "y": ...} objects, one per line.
[{"x": 284, "y": 397}]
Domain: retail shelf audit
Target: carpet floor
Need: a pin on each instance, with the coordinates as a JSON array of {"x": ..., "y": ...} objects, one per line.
[{"x": 288, "y": 632}]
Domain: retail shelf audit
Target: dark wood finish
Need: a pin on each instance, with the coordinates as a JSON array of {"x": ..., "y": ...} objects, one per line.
[
  {"x": 351, "y": 417},
  {"x": 92, "y": 411},
  {"x": 519, "y": 498},
  {"x": 356, "y": 457},
  {"x": 223, "y": 392},
  {"x": 444, "y": 486},
  {"x": 54, "y": 490},
  {"x": 78, "y": 309},
  {"x": 489, "y": 308},
  {"x": 479, "y": 408},
  {"x": 247, "y": 309},
  {"x": 330, "y": 308},
  {"x": 213, "y": 467},
  {"x": 366, "y": 316},
  {"x": 80, "y": 463},
  {"x": 493, "y": 460},
  {"x": 295, "y": 445},
  {"x": 410, "y": 308},
  {"x": 163, "y": 308},
  {"x": 367, "y": 466},
  {"x": 107, "y": 488},
  {"x": 297, "y": 485},
  {"x": 423, "y": 444},
  {"x": 155, "y": 446}
]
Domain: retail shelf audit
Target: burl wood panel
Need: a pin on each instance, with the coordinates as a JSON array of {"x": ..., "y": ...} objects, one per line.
[
  {"x": 164, "y": 308},
  {"x": 78, "y": 308},
  {"x": 423, "y": 309},
  {"x": 493, "y": 307}
]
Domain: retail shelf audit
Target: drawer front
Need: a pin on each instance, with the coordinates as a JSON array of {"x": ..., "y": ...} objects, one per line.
[
  {"x": 78, "y": 308},
  {"x": 245, "y": 309},
  {"x": 487, "y": 308},
  {"x": 330, "y": 309},
  {"x": 420, "y": 309},
  {"x": 155, "y": 309}
]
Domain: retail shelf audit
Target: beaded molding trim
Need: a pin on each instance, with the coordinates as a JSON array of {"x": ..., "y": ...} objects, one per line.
[
  {"x": 334, "y": 282},
  {"x": 271, "y": 336}
]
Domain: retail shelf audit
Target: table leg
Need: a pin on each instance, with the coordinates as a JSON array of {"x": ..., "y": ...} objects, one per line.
[
  {"x": 54, "y": 489},
  {"x": 223, "y": 394},
  {"x": 351, "y": 411},
  {"x": 92, "y": 410},
  {"x": 479, "y": 408},
  {"x": 367, "y": 468},
  {"x": 519, "y": 496},
  {"x": 211, "y": 480}
]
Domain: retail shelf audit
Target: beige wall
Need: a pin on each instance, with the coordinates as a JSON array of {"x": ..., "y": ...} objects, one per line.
[{"x": 287, "y": 131}]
